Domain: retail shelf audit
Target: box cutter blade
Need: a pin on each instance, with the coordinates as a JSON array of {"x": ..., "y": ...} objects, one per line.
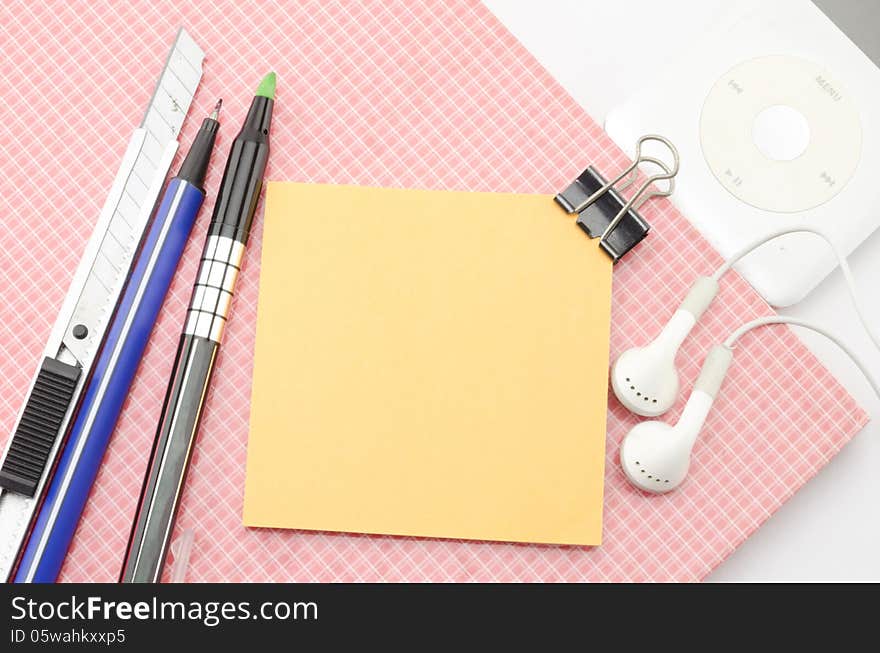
[{"x": 97, "y": 286}]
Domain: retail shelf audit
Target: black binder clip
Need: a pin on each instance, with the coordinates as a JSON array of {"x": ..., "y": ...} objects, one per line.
[{"x": 602, "y": 211}]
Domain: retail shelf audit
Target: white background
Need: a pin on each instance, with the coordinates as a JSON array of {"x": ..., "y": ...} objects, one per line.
[{"x": 599, "y": 50}]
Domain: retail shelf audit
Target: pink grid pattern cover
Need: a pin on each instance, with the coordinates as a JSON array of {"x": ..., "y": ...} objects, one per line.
[{"x": 434, "y": 95}]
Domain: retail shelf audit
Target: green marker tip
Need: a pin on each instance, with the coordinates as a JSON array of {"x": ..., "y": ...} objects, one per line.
[{"x": 267, "y": 87}]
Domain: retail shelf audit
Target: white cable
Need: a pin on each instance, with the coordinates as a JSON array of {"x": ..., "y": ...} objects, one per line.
[
  {"x": 844, "y": 268},
  {"x": 783, "y": 319}
]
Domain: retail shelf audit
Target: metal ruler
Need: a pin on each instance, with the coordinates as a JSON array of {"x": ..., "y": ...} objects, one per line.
[{"x": 97, "y": 286}]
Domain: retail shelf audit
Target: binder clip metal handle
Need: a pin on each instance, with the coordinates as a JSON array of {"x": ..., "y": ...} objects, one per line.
[{"x": 602, "y": 211}]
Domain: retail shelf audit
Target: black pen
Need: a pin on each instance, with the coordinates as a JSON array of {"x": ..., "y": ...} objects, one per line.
[{"x": 200, "y": 342}]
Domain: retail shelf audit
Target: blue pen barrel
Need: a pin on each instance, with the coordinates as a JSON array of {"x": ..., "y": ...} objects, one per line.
[{"x": 112, "y": 378}]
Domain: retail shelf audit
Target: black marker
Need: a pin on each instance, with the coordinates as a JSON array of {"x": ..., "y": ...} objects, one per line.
[{"x": 200, "y": 342}]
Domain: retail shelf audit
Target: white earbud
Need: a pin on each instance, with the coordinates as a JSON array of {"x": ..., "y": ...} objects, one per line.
[
  {"x": 644, "y": 379},
  {"x": 655, "y": 456}
]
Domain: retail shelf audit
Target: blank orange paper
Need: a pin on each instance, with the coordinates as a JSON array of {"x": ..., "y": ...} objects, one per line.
[{"x": 428, "y": 363}]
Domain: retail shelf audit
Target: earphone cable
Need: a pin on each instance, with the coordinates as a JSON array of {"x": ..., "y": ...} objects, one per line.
[
  {"x": 784, "y": 319},
  {"x": 844, "y": 268}
]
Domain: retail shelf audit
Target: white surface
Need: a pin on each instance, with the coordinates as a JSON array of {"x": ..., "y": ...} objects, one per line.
[{"x": 600, "y": 51}]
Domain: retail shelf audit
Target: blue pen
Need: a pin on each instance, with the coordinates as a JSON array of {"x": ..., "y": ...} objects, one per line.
[{"x": 116, "y": 367}]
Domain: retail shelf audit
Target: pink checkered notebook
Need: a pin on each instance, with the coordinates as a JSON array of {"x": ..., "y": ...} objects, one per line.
[{"x": 428, "y": 95}]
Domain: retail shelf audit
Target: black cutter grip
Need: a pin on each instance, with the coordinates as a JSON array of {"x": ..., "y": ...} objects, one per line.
[{"x": 39, "y": 426}]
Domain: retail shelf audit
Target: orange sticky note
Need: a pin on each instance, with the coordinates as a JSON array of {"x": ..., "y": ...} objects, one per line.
[{"x": 428, "y": 363}]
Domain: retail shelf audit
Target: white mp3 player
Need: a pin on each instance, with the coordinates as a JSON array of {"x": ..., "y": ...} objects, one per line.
[{"x": 776, "y": 114}]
